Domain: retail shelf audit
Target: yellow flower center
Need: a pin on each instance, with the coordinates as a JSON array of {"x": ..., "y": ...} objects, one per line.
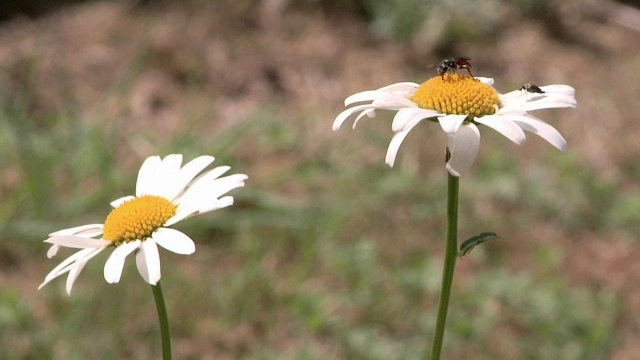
[
  {"x": 137, "y": 218},
  {"x": 457, "y": 94}
]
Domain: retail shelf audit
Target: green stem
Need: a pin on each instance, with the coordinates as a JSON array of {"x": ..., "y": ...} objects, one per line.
[
  {"x": 449, "y": 264},
  {"x": 164, "y": 321}
]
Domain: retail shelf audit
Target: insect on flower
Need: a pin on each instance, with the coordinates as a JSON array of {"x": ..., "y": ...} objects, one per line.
[
  {"x": 451, "y": 65},
  {"x": 531, "y": 89}
]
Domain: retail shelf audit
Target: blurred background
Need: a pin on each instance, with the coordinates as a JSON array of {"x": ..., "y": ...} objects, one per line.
[{"x": 327, "y": 253}]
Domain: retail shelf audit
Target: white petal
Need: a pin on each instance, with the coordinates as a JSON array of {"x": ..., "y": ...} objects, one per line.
[
  {"x": 368, "y": 95},
  {"x": 78, "y": 242},
  {"x": 403, "y": 87},
  {"x": 174, "y": 241},
  {"x": 74, "y": 272},
  {"x": 146, "y": 175},
  {"x": 66, "y": 265},
  {"x": 148, "y": 262},
  {"x": 504, "y": 126},
  {"x": 485, "y": 80},
  {"x": 394, "y": 147},
  {"x": 340, "y": 119},
  {"x": 212, "y": 174},
  {"x": 202, "y": 207},
  {"x": 115, "y": 203},
  {"x": 369, "y": 113},
  {"x": 90, "y": 230},
  {"x": 70, "y": 263},
  {"x": 554, "y": 96},
  {"x": 559, "y": 89},
  {"x": 185, "y": 176},
  {"x": 115, "y": 262},
  {"x": 53, "y": 250},
  {"x": 407, "y": 118},
  {"x": 451, "y": 123},
  {"x": 463, "y": 146},
  {"x": 202, "y": 195},
  {"x": 542, "y": 129},
  {"x": 73, "y": 275},
  {"x": 164, "y": 180},
  {"x": 171, "y": 163}
]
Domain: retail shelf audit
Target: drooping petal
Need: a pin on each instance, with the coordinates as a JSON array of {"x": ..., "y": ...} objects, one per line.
[
  {"x": 70, "y": 263},
  {"x": 344, "y": 115},
  {"x": 406, "y": 119},
  {"x": 504, "y": 126},
  {"x": 148, "y": 262},
  {"x": 542, "y": 129},
  {"x": 75, "y": 271},
  {"x": 463, "y": 145},
  {"x": 383, "y": 100},
  {"x": 451, "y": 123},
  {"x": 73, "y": 275},
  {"x": 405, "y": 89},
  {"x": 368, "y": 95},
  {"x": 174, "y": 241},
  {"x": 53, "y": 250},
  {"x": 394, "y": 147},
  {"x": 90, "y": 230},
  {"x": 146, "y": 175},
  {"x": 369, "y": 113},
  {"x": 77, "y": 242},
  {"x": 115, "y": 263}
]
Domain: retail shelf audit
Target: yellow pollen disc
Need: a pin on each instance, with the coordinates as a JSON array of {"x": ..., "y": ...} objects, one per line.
[
  {"x": 458, "y": 94},
  {"x": 137, "y": 218}
]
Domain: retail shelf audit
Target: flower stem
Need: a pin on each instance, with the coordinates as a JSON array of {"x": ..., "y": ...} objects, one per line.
[
  {"x": 164, "y": 321},
  {"x": 449, "y": 264}
]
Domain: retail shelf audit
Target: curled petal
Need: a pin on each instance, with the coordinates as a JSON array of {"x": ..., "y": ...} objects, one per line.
[
  {"x": 340, "y": 119},
  {"x": 463, "y": 145},
  {"x": 53, "y": 250},
  {"x": 148, "y": 262},
  {"x": 406, "y": 119},
  {"x": 451, "y": 123},
  {"x": 394, "y": 146}
]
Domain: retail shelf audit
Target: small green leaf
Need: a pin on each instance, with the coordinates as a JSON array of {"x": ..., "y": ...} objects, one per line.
[{"x": 474, "y": 241}]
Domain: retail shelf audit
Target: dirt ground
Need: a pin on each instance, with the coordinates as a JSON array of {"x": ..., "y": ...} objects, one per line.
[{"x": 240, "y": 55}]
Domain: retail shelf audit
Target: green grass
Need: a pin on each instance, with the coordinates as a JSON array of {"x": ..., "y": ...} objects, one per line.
[{"x": 319, "y": 259}]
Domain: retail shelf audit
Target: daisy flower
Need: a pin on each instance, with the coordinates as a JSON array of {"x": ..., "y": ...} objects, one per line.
[
  {"x": 460, "y": 103},
  {"x": 166, "y": 193}
]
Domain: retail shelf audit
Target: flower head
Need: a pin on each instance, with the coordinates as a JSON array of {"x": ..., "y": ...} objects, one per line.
[
  {"x": 459, "y": 103},
  {"x": 166, "y": 193}
]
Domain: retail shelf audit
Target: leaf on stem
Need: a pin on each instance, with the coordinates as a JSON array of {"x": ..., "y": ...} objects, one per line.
[{"x": 474, "y": 241}]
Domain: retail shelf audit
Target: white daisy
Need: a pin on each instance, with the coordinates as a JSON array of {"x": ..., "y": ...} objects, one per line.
[
  {"x": 459, "y": 103},
  {"x": 166, "y": 193}
]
